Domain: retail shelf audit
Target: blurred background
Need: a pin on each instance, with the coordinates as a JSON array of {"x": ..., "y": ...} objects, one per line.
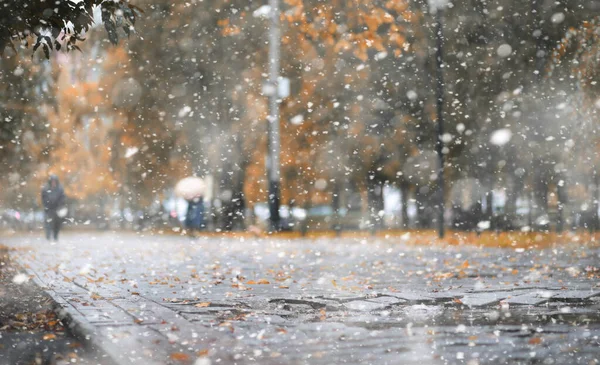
[{"x": 358, "y": 94}]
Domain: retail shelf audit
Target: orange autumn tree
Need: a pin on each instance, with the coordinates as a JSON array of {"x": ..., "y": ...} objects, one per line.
[
  {"x": 102, "y": 148},
  {"x": 80, "y": 124},
  {"x": 339, "y": 125}
]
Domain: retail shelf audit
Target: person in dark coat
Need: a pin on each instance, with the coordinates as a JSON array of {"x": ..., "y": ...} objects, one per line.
[
  {"x": 53, "y": 200},
  {"x": 194, "y": 218}
]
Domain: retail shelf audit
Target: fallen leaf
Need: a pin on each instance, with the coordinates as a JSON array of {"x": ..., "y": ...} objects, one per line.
[
  {"x": 202, "y": 305},
  {"x": 49, "y": 336},
  {"x": 202, "y": 353},
  {"x": 535, "y": 341},
  {"x": 260, "y": 281},
  {"x": 180, "y": 356}
]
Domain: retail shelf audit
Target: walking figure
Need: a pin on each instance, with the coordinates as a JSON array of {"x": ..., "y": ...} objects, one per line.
[
  {"x": 53, "y": 200},
  {"x": 194, "y": 218}
]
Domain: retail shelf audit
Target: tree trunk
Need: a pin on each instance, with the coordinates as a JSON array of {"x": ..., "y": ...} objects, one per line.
[
  {"x": 306, "y": 222},
  {"x": 561, "y": 193},
  {"x": 489, "y": 207},
  {"x": 375, "y": 202},
  {"x": 404, "y": 191},
  {"x": 540, "y": 192},
  {"x": 595, "y": 223},
  {"x": 336, "y": 205}
]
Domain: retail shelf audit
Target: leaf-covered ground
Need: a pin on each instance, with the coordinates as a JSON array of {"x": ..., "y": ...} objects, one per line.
[
  {"x": 362, "y": 300},
  {"x": 30, "y": 332}
]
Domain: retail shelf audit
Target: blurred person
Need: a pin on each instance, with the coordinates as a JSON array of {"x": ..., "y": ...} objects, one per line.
[
  {"x": 194, "y": 217},
  {"x": 53, "y": 200}
]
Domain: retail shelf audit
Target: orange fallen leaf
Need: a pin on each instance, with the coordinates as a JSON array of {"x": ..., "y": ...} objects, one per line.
[
  {"x": 535, "y": 341},
  {"x": 202, "y": 305},
  {"x": 465, "y": 265},
  {"x": 49, "y": 336},
  {"x": 202, "y": 353},
  {"x": 261, "y": 281},
  {"x": 180, "y": 356}
]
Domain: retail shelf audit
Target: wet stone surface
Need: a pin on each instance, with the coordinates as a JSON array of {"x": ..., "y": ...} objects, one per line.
[{"x": 168, "y": 299}]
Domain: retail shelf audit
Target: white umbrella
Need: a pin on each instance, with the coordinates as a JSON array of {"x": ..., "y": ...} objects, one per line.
[{"x": 190, "y": 188}]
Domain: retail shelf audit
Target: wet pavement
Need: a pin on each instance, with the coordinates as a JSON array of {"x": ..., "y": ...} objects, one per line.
[{"x": 153, "y": 299}]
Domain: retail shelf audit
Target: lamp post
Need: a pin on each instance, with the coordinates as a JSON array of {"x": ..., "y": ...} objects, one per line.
[
  {"x": 436, "y": 7},
  {"x": 270, "y": 89}
]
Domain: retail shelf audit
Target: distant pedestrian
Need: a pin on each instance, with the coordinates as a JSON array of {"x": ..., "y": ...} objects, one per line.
[
  {"x": 194, "y": 218},
  {"x": 53, "y": 200}
]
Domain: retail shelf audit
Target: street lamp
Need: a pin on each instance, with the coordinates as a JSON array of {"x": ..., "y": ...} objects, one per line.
[
  {"x": 271, "y": 90},
  {"x": 436, "y": 7}
]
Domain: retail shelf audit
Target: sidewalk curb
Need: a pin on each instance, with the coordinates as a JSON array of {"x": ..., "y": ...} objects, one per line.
[{"x": 79, "y": 327}]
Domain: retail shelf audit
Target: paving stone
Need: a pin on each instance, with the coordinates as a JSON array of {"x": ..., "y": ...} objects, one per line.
[
  {"x": 365, "y": 306},
  {"x": 415, "y": 297},
  {"x": 483, "y": 299},
  {"x": 530, "y": 298},
  {"x": 575, "y": 295},
  {"x": 387, "y": 300},
  {"x": 112, "y": 317}
]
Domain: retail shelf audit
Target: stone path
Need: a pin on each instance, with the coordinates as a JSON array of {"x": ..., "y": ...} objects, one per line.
[{"x": 174, "y": 300}]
